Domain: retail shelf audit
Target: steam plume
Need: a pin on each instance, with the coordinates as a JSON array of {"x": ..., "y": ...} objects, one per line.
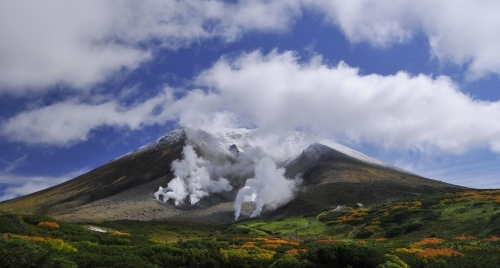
[
  {"x": 191, "y": 178},
  {"x": 269, "y": 187}
]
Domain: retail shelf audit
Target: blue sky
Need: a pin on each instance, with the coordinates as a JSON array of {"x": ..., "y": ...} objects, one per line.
[{"x": 413, "y": 83}]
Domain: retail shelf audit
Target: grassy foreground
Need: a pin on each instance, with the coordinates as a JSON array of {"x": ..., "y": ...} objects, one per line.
[{"x": 443, "y": 230}]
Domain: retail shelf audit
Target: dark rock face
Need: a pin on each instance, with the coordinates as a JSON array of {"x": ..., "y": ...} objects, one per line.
[{"x": 234, "y": 150}]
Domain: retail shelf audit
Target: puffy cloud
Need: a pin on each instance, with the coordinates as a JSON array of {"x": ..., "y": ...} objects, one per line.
[
  {"x": 464, "y": 32},
  {"x": 395, "y": 111},
  {"x": 80, "y": 44},
  {"x": 71, "y": 121},
  {"x": 276, "y": 91}
]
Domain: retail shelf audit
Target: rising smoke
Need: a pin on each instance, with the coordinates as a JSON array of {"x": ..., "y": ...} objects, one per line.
[
  {"x": 191, "y": 179},
  {"x": 253, "y": 170},
  {"x": 269, "y": 187}
]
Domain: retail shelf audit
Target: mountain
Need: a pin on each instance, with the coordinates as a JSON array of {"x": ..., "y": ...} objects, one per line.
[{"x": 330, "y": 174}]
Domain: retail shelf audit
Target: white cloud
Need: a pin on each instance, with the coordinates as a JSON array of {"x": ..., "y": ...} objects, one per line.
[
  {"x": 19, "y": 185},
  {"x": 13, "y": 165},
  {"x": 71, "y": 121},
  {"x": 464, "y": 32},
  {"x": 276, "y": 91},
  {"x": 82, "y": 43},
  {"x": 395, "y": 111}
]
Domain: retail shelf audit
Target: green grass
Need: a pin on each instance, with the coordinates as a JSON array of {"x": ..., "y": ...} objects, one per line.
[{"x": 396, "y": 219}]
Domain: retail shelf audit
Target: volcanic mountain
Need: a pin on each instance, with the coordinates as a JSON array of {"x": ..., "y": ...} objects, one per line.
[{"x": 123, "y": 189}]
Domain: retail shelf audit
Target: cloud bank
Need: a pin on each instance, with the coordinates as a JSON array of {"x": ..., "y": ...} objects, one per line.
[
  {"x": 463, "y": 32},
  {"x": 277, "y": 91},
  {"x": 81, "y": 44}
]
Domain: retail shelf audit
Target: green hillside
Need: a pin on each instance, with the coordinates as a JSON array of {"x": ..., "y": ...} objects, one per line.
[{"x": 459, "y": 229}]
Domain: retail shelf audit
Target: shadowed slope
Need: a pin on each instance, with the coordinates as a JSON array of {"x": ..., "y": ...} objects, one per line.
[{"x": 332, "y": 178}]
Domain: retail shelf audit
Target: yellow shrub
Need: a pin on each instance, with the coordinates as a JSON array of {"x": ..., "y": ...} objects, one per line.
[
  {"x": 430, "y": 253},
  {"x": 408, "y": 250},
  {"x": 55, "y": 243}
]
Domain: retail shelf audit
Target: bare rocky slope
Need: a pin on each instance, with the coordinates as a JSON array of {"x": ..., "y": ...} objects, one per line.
[{"x": 123, "y": 188}]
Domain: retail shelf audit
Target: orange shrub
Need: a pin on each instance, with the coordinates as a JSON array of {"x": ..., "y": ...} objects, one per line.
[
  {"x": 429, "y": 241},
  {"x": 380, "y": 239},
  {"x": 463, "y": 237},
  {"x": 342, "y": 219},
  {"x": 493, "y": 238},
  {"x": 248, "y": 245},
  {"x": 270, "y": 246},
  {"x": 48, "y": 224},
  {"x": 440, "y": 252},
  {"x": 493, "y": 195}
]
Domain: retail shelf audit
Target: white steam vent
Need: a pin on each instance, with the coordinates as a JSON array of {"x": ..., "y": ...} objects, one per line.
[
  {"x": 191, "y": 178},
  {"x": 269, "y": 188}
]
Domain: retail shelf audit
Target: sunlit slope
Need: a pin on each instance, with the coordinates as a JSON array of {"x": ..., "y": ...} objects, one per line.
[{"x": 124, "y": 173}]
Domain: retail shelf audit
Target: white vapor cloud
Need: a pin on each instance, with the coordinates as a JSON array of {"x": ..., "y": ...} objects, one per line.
[
  {"x": 20, "y": 185},
  {"x": 268, "y": 188},
  {"x": 192, "y": 179},
  {"x": 273, "y": 91}
]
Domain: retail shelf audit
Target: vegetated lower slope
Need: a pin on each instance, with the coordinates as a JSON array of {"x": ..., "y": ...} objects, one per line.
[
  {"x": 446, "y": 215},
  {"x": 439, "y": 230},
  {"x": 123, "y": 189}
]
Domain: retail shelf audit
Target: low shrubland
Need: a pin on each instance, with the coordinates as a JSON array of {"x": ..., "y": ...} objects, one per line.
[{"x": 441, "y": 230}]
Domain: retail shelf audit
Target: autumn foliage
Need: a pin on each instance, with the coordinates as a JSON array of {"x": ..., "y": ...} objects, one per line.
[
  {"x": 48, "y": 224},
  {"x": 428, "y": 241},
  {"x": 493, "y": 238},
  {"x": 440, "y": 252},
  {"x": 463, "y": 238}
]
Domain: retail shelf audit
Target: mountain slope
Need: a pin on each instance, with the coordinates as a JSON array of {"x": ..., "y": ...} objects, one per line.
[
  {"x": 332, "y": 178},
  {"x": 123, "y": 189},
  {"x": 129, "y": 171}
]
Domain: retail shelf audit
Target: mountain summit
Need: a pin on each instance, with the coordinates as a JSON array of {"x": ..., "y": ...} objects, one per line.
[{"x": 192, "y": 175}]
